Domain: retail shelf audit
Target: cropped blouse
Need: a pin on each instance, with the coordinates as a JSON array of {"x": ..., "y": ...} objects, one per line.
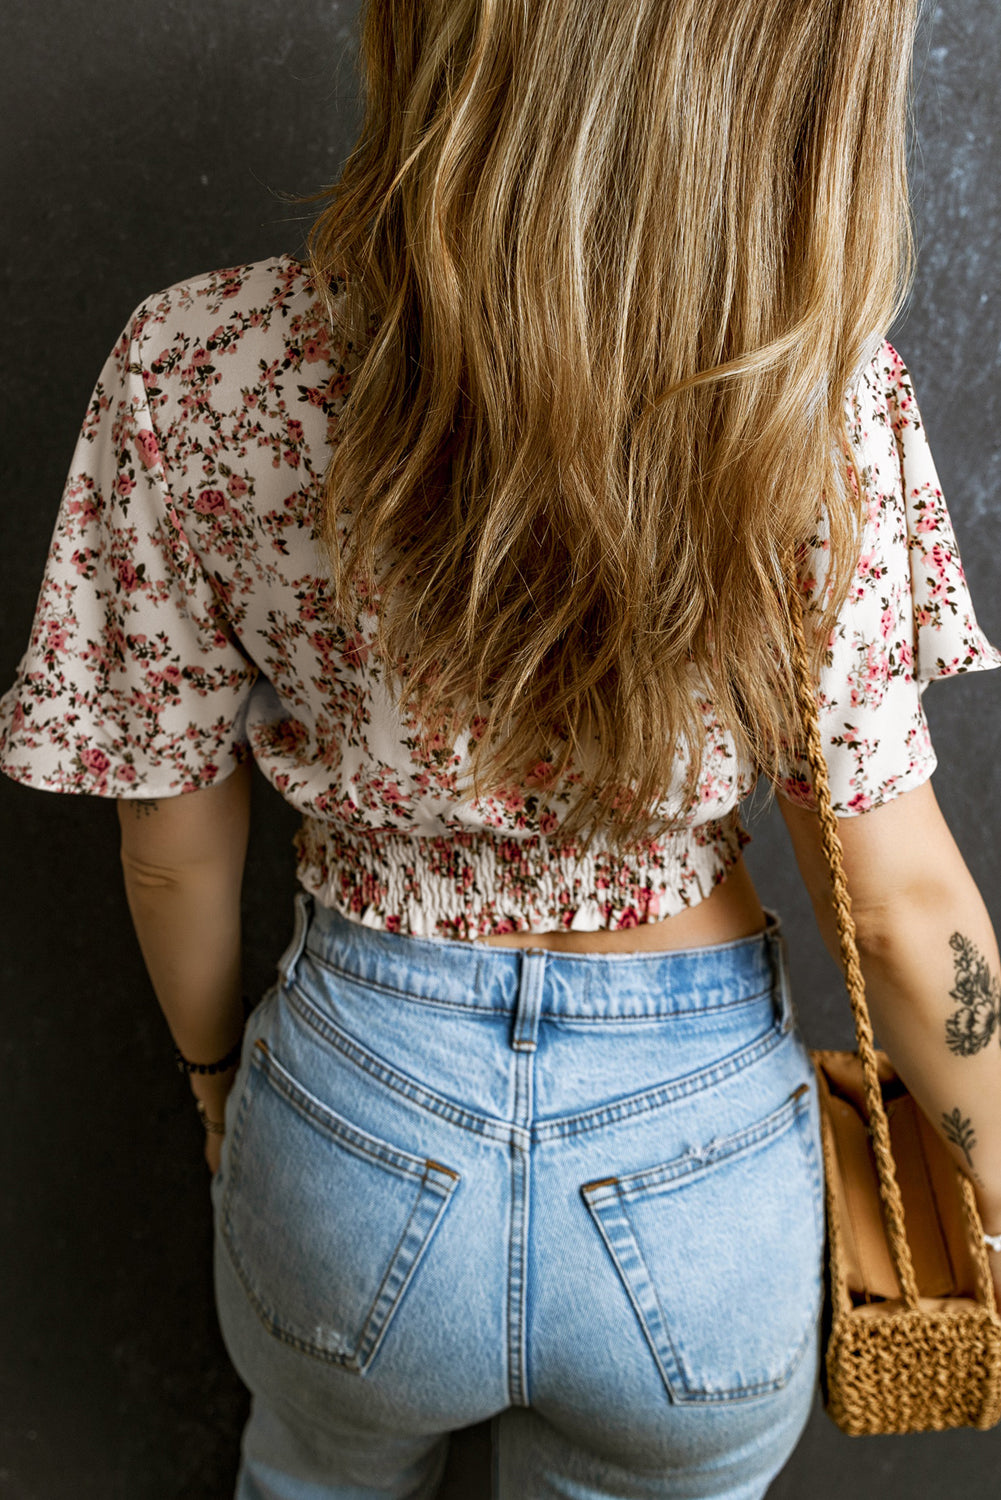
[{"x": 182, "y": 626}]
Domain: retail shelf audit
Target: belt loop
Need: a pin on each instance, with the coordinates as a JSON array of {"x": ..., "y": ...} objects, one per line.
[
  {"x": 531, "y": 977},
  {"x": 785, "y": 1010},
  {"x": 303, "y": 913}
]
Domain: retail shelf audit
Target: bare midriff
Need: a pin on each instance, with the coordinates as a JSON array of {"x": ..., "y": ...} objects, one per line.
[{"x": 732, "y": 911}]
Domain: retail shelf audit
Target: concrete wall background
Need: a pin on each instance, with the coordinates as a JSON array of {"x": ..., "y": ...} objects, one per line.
[{"x": 148, "y": 142}]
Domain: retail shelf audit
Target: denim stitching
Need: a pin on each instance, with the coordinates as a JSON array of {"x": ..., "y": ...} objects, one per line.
[
  {"x": 360, "y": 1142},
  {"x": 364, "y": 982},
  {"x": 505, "y": 1132},
  {"x": 715, "y": 1153},
  {"x": 343, "y": 1358},
  {"x": 616, "y": 1194},
  {"x": 426, "y": 1235},
  {"x": 558, "y": 1019},
  {"x": 506, "y": 1007},
  {"x": 433, "y": 1196},
  {"x": 343, "y": 1361},
  {"x": 663, "y": 1094},
  {"x": 755, "y": 1388},
  {"x": 631, "y": 1293},
  {"x": 814, "y": 1151},
  {"x": 371, "y": 1332},
  {"x": 522, "y": 1040},
  {"x": 398, "y": 1082},
  {"x": 233, "y": 1155}
]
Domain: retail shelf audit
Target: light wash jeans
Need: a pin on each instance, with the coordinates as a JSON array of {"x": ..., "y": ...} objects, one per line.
[{"x": 579, "y": 1195}]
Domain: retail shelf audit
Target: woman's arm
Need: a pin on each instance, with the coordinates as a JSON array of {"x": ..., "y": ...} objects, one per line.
[
  {"x": 931, "y": 967},
  {"x": 183, "y": 860}
]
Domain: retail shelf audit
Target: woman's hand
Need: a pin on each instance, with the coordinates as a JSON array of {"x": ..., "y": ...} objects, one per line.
[{"x": 213, "y": 1090}]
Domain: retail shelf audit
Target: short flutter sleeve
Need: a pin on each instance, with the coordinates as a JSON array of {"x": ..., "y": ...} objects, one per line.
[
  {"x": 908, "y": 617},
  {"x": 133, "y": 683}
]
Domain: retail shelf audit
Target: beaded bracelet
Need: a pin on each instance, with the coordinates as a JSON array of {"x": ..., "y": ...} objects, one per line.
[{"x": 232, "y": 1056}]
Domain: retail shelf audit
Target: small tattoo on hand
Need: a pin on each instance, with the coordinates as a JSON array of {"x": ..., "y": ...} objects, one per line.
[
  {"x": 979, "y": 994},
  {"x": 959, "y": 1131}
]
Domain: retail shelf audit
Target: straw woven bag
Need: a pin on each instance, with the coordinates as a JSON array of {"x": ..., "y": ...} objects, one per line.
[{"x": 912, "y": 1335}]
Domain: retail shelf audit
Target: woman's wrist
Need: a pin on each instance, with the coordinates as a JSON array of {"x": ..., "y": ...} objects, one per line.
[{"x": 213, "y": 1090}]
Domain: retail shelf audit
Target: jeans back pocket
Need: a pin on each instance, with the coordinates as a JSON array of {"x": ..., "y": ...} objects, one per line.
[
  {"x": 720, "y": 1251},
  {"x": 325, "y": 1223}
]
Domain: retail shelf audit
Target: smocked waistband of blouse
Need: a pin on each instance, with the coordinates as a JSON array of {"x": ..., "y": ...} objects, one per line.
[
  {"x": 468, "y": 884},
  {"x": 597, "y": 985}
]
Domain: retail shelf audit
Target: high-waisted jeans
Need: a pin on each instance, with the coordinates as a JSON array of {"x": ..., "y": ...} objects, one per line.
[{"x": 579, "y": 1195}]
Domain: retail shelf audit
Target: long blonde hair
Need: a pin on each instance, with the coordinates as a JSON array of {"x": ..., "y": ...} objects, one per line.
[{"x": 610, "y": 267}]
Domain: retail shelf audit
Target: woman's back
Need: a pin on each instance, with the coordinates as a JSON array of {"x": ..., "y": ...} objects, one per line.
[{"x": 185, "y": 622}]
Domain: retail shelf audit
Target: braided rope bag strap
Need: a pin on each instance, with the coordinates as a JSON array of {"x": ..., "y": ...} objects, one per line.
[
  {"x": 879, "y": 1126},
  {"x": 893, "y": 1368}
]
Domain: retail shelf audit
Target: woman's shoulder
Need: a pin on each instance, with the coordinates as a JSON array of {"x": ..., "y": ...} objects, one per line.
[
  {"x": 268, "y": 311},
  {"x": 243, "y": 373},
  {"x": 277, "y": 294}
]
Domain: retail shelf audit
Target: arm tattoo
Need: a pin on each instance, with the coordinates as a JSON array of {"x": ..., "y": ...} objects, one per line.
[
  {"x": 959, "y": 1131},
  {"x": 979, "y": 994},
  {"x": 144, "y": 807}
]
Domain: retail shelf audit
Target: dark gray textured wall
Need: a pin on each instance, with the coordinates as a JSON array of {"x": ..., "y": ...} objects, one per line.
[{"x": 146, "y": 142}]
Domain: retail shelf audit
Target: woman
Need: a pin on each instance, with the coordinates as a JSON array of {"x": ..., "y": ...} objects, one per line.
[{"x": 477, "y": 534}]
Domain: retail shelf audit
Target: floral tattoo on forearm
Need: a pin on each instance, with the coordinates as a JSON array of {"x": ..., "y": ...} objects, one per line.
[{"x": 978, "y": 991}]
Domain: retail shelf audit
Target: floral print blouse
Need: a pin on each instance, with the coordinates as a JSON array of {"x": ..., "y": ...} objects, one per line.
[{"x": 181, "y": 627}]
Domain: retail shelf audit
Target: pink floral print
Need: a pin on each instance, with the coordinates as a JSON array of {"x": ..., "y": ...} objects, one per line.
[{"x": 183, "y": 625}]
